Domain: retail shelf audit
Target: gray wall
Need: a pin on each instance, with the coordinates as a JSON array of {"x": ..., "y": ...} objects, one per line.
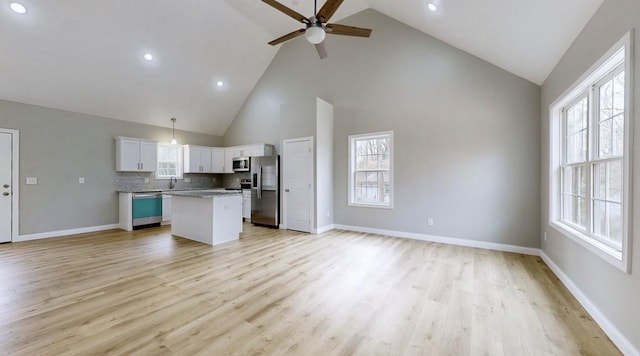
[
  {"x": 324, "y": 164},
  {"x": 466, "y": 132},
  {"x": 58, "y": 147},
  {"x": 612, "y": 291}
]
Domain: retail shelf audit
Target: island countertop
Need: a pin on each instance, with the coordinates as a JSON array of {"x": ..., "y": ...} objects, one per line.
[{"x": 203, "y": 193}]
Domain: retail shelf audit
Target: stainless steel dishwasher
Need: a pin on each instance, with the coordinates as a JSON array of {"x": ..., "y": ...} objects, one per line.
[{"x": 146, "y": 209}]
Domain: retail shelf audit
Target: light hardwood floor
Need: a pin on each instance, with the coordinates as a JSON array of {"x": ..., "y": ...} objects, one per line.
[{"x": 282, "y": 292}]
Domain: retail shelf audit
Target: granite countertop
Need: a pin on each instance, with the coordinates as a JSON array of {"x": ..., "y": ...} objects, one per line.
[
  {"x": 166, "y": 191},
  {"x": 203, "y": 193}
]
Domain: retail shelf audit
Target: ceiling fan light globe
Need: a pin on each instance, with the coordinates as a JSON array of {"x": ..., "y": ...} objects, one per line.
[{"x": 315, "y": 35}]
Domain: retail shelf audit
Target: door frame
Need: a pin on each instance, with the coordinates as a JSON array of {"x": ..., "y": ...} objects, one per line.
[
  {"x": 15, "y": 181},
  {"x": 283, "y": 162}
]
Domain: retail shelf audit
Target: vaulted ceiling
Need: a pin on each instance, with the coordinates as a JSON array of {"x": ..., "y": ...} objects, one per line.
[{"x": 87, "y": 56}]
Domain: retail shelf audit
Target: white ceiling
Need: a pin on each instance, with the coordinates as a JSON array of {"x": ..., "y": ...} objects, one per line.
[{"x": 86, "y": 56}]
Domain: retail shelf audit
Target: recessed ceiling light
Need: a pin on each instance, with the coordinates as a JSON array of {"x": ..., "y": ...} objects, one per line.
[
  {"x": 18, "y": 8},
  {"x": 148, "y": 57},
  {"x": 220, "y": 83},
  {"x": 432, "y": 7}
]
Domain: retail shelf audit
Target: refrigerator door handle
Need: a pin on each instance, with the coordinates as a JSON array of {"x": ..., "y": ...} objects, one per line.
[{"x": 260, "y": 182}]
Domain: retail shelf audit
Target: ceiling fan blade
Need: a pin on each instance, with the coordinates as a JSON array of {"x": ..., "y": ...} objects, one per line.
[
  {"x": 328, "y": 9},
  {"x": 287, "y": 37},
  {"x": 322, "y": 50},
  {"x": 292, "y": 13},
  {"x": 335, "y": 29}
]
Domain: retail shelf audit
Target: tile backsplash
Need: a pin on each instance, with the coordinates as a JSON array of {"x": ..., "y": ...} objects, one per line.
[
  {"x": 133, "y": 181},
  {"x": 233, "y": 180}
]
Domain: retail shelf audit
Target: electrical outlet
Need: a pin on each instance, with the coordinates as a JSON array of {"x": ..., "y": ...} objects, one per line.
[
  {"x": 146, "y": 180},
  {"x": 328, "y": 214},
  {"x": 214, "y": 179},
  {"x": 545, "y": 236},
  {"x": 81, "y": 180},
  {"x": 187, "y": 180},
  {"x": 32, "y": 180},
  {"x": 430, "y": 221}
]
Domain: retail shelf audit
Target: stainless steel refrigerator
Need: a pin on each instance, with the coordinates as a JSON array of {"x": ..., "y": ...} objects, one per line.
[{"x": 265, "y": 190}]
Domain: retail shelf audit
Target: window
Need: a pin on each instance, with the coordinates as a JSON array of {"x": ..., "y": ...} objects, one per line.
[
  {"x": 169, "y": 161},
  {"x": 371, "y": 170},
  {"x": 591, "y": 151}
]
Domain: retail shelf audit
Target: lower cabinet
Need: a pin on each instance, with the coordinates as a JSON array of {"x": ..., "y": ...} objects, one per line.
[
  {"x": 166, "y": 209},
  {"x": 246, "y": 204}
]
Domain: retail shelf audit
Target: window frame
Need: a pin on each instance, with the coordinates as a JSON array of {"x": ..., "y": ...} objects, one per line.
[
  {"x": 352, "y": 169},
  {"x": 180, "y": 162},
  {"x": 618, "y": 58}
]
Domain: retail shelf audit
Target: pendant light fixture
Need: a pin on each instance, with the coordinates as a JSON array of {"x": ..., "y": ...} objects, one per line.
[{"x": 173, "y": 122}]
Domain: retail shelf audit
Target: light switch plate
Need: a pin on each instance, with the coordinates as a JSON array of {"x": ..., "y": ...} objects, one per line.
[
  {"x": 81, "y": 180},
  {"x": 146, "y": 180},
  {"x": 32, "y": 180}
]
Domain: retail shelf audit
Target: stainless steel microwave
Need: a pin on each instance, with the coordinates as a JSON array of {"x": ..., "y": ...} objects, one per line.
[{"x": 241, "y": 164}]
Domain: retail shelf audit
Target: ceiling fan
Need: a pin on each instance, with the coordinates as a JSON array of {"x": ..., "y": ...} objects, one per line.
[{"x": 317, "y": 26}]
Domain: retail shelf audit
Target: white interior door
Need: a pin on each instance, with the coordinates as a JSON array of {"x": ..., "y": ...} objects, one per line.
[
  {"x": 6, "y": 187},
  {"x": 298, "y": 165}
]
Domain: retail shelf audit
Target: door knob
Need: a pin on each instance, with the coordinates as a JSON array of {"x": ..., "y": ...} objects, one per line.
[
  {"x": 6, "y": 186},
  {"x": 286, "y": 190},
  {"x": 5, "y": 194}
]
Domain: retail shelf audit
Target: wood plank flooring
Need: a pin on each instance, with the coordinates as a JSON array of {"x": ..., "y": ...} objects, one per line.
[{"x": 279, "y": 292}]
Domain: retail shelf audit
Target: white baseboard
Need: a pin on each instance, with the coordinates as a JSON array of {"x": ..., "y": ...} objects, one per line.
[
  {"x": 607, "y": 326},
  {"x": 445, "y": 240},
  {"x": 323, "y": 229},
  {"x": 82, "y": 230}
]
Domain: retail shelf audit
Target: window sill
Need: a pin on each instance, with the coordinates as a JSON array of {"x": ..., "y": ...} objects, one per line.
[
  {"x": 167, "y": 178},
  {"x": 601, "y": 250},
  {"x": 376, "y": 206}
]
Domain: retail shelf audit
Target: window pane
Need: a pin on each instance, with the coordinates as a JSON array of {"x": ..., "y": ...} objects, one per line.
[
  {"x": 618, "y": 136},
  {"x": 604, "y": 138},
  {"x": 575, "y": 210},
  {"x": 576, "y": 117},
  {"x": 361, "y": 162},
  {"x": 575, "y": 181},
  {"x": 615, "y": 222},
  {"x": 168, "y": 161},
  {"x": 618, "y": 94},
  {"x": 599, "y": 218},
  {"x": 599, "y": 181},
  {"x": 614, "y": 181},
  {"x": 608, "y": 221},
  {"x": 607, "y": 181},
  {"x": 606, "y": 100}
]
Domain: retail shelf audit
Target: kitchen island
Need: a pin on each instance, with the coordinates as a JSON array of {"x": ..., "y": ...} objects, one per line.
[{"x": 207, "y": 216}]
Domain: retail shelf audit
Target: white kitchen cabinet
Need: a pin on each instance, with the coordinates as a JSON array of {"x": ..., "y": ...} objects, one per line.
[
  {"x": 260, "y": 150},
  {"x": 197, "y": 159},
  {"x": 166, "y": 208},
  {"x": 246, "y": 204},
  {"x": 229, "y": 154},
  {"x": 217, "y": 160},
  {"x": 136, "y": 155}
]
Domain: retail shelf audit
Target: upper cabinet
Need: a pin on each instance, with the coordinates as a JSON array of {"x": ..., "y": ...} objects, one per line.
[
  {"x": 201, "y": 159},
  {"x": 229, "y": 154},
  {"x": 260, "y": 150},
  {"x": 217, "y": 160},
  {"x": 136, "y": 155},
  {"x": 197, "y": 159},
  {"x": 256, "y": 150}
]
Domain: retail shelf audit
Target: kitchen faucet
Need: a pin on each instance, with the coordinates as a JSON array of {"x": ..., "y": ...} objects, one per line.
[{"x": 171, "y": 182}]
